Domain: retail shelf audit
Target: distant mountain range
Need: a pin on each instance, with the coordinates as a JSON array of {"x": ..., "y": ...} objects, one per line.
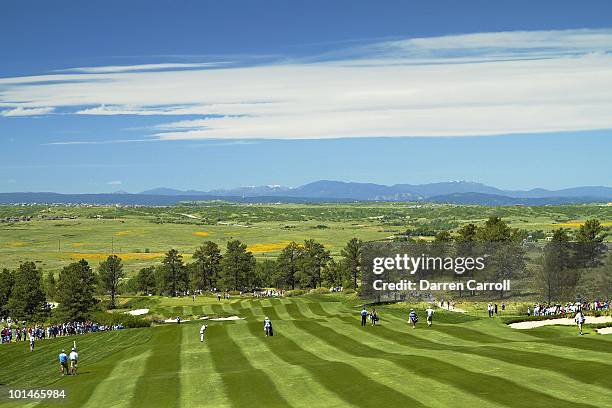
[
  {"x": 451, "y": 190},
  {"x": 454, "y": 192}
]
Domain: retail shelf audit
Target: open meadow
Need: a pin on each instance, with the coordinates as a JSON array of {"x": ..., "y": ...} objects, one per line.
[
  {"x": 57, "y": 235},
  {"x": 319, "y": 356}
]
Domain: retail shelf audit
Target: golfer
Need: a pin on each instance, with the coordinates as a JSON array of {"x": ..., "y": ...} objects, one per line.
[
  {"x": 74, "y": 356},
  {"x": 374, "y": 317},
  {"x": 202, "y": 331},
  {"x": 63, "y": 360},
  {"x": 364, "y": 316},
  {"x": 32, "y": 340},
  {"x": 413, "y": 318},
  {"x": 268, "y": 327},
  {"x": 579, "y": 319},
  {"x": 430, "y": 313}
]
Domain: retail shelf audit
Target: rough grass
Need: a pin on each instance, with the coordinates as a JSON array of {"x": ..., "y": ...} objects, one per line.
[{"x": 142, "y": 235}]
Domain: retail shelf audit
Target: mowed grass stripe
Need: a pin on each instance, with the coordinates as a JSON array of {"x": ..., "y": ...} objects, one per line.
[
  {"x": 555, "y": 350},
  {"x": 557, "y": 382},
  {"x": 400, "y": 331},
  {"x": 456, "y": 330},
  {"x": 483, "y": 385},
  {"x": 217, "y": 310},
  {"x": 243, "y": 310},
  {"x": 317, "y": 309},
  {"x": 270, "y": 312},
  {"x": 201, "y": 384},
  {"x": 244, "y": 384},
  {"x": 585, "y": 372},
  {"x": 99, "y": 354},
  {"x": 266, "y": 302},
  {"x": 305, "y": 310},
  {"x": 29, "y": 369},
  {"x": 229, "y": 309},
  {"x": 551, "y": 335},
  {"x": 161, "y": 384},
  {"x": 256, "y": 311},
  {"x": 588, "y": 372},
  {"x": 281, "y": 311},
  {"x": 117, "y": 388},
  {"x": 344, "y": 380},
  {"x": 197, "y": 310},
  {"x": 426, "y": 390},
  {"x": 294, "y": 312},
  {"x": 295, "y": 384}
]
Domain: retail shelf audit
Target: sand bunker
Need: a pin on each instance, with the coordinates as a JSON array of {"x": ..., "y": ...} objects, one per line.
[
  {"x": 174, "y": 320},
  {"x": 220, "y": 319},
  {"x": 561, "y": 321},
  {"x": 138, "y": 312},
  {"x": 451, "y": 309},
  {"x": 605, "y": 330}
]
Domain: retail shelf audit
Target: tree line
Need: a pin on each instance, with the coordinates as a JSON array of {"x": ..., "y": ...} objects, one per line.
[
  {"x": 25, "y": 293},
  {"x": 575, "y": 268},
  {"x": 565, "y": 268},
  {"x": 304, "y": 265}
]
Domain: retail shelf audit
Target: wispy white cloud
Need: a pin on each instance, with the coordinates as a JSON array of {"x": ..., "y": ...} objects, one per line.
[
  {"x": 473, "y": 84},
  {"x": 21, "y": 111},
  {"x": 99, "y": 142},
  {"x": 114, "y": 183},
  {"x": 144, "y": 67}
]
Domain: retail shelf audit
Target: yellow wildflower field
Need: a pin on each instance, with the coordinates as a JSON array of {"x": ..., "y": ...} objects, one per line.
[
  {"x": 577, "y": 224},
  {"x": 126, "y": 256},
  {"x": 277, "y": 246}
]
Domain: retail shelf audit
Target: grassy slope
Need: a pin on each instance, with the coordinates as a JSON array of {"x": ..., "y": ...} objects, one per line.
[
  {"x": 54, "y": 243},
  {"x": 94, "y": 239},
  {"x": 320, "y": 356}
]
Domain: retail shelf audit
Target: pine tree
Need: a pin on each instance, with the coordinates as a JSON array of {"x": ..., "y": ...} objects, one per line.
[
  {"x": 289, "y": 262},
  {"x": 352, "y": 260},
  {"x": 590, "y": 247},
  {"x": 110, "y": 274},
  {"x": 49, "y": 285},
  {"x": 237, "y": 266},
  {"x": 555, "y": 278},
  {"x": 146, "y": 280},
  {"x": 173, "y": 273},
  {"x": 207, "y": 266},
  {"x": 27, "y": 298},
  {"x": 7, "y": 281},
  {"x": 314, "y": 259},
  {"x": 75, "y": 291}
]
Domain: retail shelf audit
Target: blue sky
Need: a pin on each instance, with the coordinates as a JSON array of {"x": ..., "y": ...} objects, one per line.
[{"x": 106, "y": 96}]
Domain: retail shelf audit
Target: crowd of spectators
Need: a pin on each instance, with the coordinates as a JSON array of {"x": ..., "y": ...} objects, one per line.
[
  {"x": 15, "y": 331},
  {"x": 568, "y": 308}
]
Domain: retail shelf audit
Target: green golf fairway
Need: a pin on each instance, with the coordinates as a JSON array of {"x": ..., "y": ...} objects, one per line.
[{"x": 320, "y": 356}]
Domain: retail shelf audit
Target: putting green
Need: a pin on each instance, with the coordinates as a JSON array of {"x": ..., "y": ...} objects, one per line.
[{"x": 320, "y": 356}]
